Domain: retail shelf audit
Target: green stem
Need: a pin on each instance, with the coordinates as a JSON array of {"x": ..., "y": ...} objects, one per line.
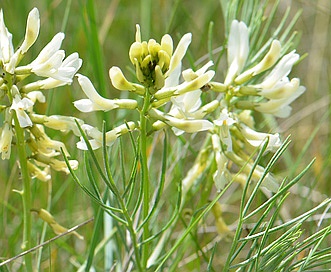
[
  {"x": 26, "y": 192},
  {"x": 145, "y": 174}
]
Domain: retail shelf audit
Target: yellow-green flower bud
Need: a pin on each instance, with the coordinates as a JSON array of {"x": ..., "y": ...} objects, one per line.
[
  {"x": 121, "y": 83},
  {"x": 218, "y": 87},
  {"x": 135, "y": 52},
  {"x": 164, "y": 60},
  {"x": 154, "y": 61},
  {"x": 159, "y": 78},
  {"x": 153, "y": 48}
]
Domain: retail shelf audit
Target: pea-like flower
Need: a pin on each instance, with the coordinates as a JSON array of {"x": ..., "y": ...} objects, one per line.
[
  {"x": 186, "y": 113},
  {"x": 19, "y": 93},
  {"x": 272, "y": 95},
  {"x": 97, "y": 136},
  {"x": 96, "y": 102},
  {"x": 223, "y": 123},
  {"x": 19, "y": 105}
]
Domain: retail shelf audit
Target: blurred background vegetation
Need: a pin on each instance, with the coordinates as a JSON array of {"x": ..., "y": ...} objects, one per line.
[{"x": 114, "y": 21}]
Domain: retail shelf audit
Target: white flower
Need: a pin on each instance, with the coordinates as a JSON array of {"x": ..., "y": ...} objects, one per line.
[
  {"x": 279, "y": 72},
  {"x": 19, "y": 106},
  {"x": 238, "y": 48},
  {"x": 36, "y": 96},
  {"x": 96, "y": 102},
  {"x": 55, "y": 164},
  {"x": 225, "y": 121},
  {"x": 51, "y": 62},
  {"x": 32, "y": 30},
  {"x": 256, "y": 139},
  {"x": 188, "y": 103},
  {"x": 181, "y": 125},
  {"x": 268, "y": 61},
  {"x": 277, "y": 88},
  {"x": 179, "y": 53},
  {"x": 63, "y": 123},
  {"x": 97, "y": 136},
  {"x": 185, "y": 87},
  {"x": 58, "y": 165},
  {"x": 186, "y": 112},
  {"x": 31, "y": 34},
  {"x": 281, "y": 95},
  {"x": 6, "y": 44},
  {"x": 48, "y": 52}
]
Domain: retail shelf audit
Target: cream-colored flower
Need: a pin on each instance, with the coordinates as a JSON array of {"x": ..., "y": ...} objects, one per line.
[
  {"x": 51, "y": 63},
  {"x": 57, "y": 70},
  {"x": 181, "y": 125},
  {"x": 6, "y": 44},
  {"x": 238, "y": 48},
  {"x": 279, "y": 72},
  {"x": 187, "y": 106},
  {"x": 224, "y": 122},
  {"x": 268, "y": 61},
  {"x": 96, "y": 102},
  {"x": 36, "y": 172},
  {"x": 283, "y": 93},
  {"x": 55, "y": 164},
  {"x": 20, "y": 106},
  {"x": 256, "y": 139},
  {"x": 121, "y": 83},
  {"x": 45, "y": 145},
  {"x": 31, "y": 35},
  {"x": 36, "y": 96},
  {"x": 32, "y": 30},
  {"x": 97, "y": 136}
]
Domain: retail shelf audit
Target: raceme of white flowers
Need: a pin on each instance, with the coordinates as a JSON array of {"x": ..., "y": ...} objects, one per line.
[
  {"x": 174, "y": 100},
  {"x": 19, "y": 95},
  {"x": 166, "y": 94}
]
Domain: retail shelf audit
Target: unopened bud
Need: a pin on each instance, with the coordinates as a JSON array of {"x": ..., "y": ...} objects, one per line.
[{"x": 167, "y": 44}]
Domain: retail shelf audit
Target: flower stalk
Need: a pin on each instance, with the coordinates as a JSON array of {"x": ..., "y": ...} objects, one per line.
[
  {"x": 25, "y": 193},
  {"x": 144, "y": 172}
]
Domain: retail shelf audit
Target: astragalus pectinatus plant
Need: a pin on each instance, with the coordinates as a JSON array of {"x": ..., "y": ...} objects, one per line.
[{"x": 182, "y": 160}]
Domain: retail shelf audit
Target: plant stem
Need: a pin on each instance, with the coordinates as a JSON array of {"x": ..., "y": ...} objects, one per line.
[
  {"x": 26, "y": 192},
  {"x": 145, "y": 172}
]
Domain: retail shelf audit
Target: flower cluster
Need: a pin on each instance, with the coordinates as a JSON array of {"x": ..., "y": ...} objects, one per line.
[
  {"x": 18, "y": 97},
  {"x": 172, "y": 98},
  {"x": 158, "y": 70},
  {"x": 234, "y": 136}
]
